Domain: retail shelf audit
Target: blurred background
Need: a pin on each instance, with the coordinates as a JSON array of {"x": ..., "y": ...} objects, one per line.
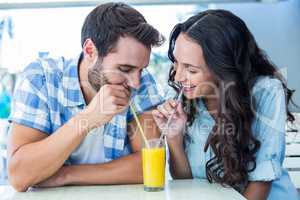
[{"x": 30, "y": 29}]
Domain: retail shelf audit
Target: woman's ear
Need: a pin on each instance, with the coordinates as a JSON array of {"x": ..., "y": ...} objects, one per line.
[{"x": 90, "y": 51}]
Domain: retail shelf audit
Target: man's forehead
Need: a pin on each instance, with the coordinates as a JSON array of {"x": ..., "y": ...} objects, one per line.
[{"x": 133, "y": 55}]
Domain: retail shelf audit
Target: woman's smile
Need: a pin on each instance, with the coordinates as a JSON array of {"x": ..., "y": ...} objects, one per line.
[{"x": 188, "y": 89}]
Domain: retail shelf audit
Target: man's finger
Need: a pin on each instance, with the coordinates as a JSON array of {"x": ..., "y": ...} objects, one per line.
[
  {"x": 120, "y": 101},
  {"x": 120, "y": 93}
]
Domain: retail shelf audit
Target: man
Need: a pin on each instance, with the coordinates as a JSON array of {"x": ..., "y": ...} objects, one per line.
[{"x": 71, "y": 117}]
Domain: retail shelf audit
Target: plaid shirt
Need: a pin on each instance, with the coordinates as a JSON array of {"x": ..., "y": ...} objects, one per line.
[{"x": 48, "y": 94}]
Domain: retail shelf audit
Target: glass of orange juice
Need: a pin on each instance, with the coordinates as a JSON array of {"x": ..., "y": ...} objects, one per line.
[{"x": 154, "y": 161}]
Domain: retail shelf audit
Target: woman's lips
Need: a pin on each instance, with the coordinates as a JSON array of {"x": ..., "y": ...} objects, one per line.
[{"x": 188, "y": 88}]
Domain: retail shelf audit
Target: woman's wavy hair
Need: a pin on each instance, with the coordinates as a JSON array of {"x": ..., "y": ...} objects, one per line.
[{"x": 232, "y": 56}]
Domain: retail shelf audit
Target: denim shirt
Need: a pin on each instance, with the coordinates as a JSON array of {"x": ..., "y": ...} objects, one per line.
[{"x": 268, "y": 127}]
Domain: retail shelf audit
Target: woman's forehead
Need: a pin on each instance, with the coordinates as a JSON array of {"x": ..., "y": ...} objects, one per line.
[{"x": 188, "y": 51}]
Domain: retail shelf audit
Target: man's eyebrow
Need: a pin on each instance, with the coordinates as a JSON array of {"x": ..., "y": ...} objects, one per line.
[{"x": 131, "y": 66}]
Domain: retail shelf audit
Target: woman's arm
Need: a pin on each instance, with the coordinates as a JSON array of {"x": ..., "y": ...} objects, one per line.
[
  {"x": 257, "y": 190},
  {"x": 179, "y": 165}
]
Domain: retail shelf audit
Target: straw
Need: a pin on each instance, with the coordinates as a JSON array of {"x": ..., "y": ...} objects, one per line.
[
  {"x": 139, "y": 125},
  {"x": 171, "y": 117}
]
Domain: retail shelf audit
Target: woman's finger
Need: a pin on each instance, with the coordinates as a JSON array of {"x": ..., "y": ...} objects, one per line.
[
  {"x": 158, "y": 118},
  {"x": 173, "y": 103},
  {"x": 180, "y": 109},
  {"x": 163, "y": 111},
  {"x": 157, "y": 113},
  {"x": 169, "y": 108}
]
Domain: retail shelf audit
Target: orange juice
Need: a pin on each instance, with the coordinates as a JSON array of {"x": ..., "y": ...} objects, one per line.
[{"x": 154, "y": 168}]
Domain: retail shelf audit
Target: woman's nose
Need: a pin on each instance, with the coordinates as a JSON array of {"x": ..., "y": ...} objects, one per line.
[{"x": 180, "y": 75}]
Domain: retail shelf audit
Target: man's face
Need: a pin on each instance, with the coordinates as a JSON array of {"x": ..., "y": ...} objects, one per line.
[{"x": 123, "y": 65}]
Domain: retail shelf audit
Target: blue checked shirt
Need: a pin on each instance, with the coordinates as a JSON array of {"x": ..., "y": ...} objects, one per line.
[{"x": 48, "y": 94}]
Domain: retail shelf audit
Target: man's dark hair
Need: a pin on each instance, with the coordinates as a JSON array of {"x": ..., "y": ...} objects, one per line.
[{"x": 108, "y": 22}]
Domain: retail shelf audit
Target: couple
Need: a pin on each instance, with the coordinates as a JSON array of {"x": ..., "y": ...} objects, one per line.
[{"x": 71, "y": 125}]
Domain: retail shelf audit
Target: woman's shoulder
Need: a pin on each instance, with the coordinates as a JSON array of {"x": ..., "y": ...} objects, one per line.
[
  {"x": 267, "y": 83},
  {"x": 269, "y": 97},
  {"x": 269, "y": 104}
]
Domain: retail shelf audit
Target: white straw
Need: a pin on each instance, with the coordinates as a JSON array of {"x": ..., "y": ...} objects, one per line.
[{"x": 171, "y": 116}]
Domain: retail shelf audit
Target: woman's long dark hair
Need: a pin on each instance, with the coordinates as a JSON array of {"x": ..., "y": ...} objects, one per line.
[{"x": 232, "y": 56}]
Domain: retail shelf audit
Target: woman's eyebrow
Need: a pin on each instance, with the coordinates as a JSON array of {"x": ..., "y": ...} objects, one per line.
[{"x": 190, "y": 65}]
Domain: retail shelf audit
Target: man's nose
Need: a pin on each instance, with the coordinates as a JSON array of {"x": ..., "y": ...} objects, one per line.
[{"x": 134, "y": 81}]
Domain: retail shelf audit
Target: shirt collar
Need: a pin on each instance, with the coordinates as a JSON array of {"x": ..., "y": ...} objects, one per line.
[
  {"x": 70, "y": 82},
  {"x": 204, "y": 114}
]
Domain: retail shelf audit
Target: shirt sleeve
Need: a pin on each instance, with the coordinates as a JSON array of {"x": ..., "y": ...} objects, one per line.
[
  {"x": 29, "y": 105},
  {"x": 269, "y": 128},
  {"x": 147, "y": 96}
]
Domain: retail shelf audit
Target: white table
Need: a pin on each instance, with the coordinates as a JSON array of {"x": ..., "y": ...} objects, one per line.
[{"x": 179, "y": 189}]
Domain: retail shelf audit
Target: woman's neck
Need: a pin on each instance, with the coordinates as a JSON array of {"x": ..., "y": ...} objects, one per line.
[{"x": 212, "y": 105}]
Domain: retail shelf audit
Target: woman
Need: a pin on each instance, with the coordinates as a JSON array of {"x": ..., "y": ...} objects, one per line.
[{"x": 230, "y": 124}]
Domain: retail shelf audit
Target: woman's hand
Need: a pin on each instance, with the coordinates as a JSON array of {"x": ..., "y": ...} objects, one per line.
[
  {"x": 179, "y": 165},
  {"x": 174, "y": 131}
]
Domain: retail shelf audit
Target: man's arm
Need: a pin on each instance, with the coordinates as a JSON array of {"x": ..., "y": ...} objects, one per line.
[
  {"x": 125, "y": 170},
  {"x": 33, "y": 156}
]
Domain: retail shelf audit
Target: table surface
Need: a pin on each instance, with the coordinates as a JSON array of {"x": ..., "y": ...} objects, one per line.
[{"x": 175, "y": 189}]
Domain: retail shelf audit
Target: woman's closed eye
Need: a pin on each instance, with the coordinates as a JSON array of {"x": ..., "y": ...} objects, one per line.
[{"x": 191, "y": 70}]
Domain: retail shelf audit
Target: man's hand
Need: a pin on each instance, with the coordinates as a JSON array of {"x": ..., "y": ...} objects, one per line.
[{"x": 109, "y": 101}]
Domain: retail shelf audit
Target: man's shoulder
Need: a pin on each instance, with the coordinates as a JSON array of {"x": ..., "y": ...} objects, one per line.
[
  {"x": 147, "y": 76},
  {"x": 147, "y": 80},
  {"x": 48, "y": 68},
  {"x": 56, "y": 65}
]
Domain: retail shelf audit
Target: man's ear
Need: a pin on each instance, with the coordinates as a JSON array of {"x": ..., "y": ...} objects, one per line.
[{"x": 90, "y": 51}]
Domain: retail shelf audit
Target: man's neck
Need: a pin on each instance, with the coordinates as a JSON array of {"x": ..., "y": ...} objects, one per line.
[{"x": 86, "y": 88}]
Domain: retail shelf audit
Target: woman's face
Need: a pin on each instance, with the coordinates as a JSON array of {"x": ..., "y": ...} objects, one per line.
[{"x": 191, "y": 69}]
